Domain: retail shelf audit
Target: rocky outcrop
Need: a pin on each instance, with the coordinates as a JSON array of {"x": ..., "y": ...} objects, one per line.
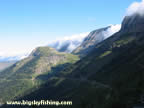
[
  {"x": 90, "y": 41},
  {"x": 45, "y": 63},
  {"x": 133, "y": 23}
]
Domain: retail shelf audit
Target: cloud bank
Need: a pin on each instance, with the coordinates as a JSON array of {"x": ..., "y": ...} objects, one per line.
[
  {"x": 16, "y": 53},
  {"x": 64, "y": 44},
  {"x": 69, "y": 43},
  {"x": 111, "y": 30},
  {"x": 135, "y": 8},
  {"x": 16, "y": 57}
]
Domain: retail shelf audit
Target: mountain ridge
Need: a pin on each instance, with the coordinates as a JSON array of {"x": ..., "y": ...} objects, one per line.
[
  {"x": 32, "y": 71},
  {"x": 110, "y": 76},
  {"x": 94, "y": 38}
]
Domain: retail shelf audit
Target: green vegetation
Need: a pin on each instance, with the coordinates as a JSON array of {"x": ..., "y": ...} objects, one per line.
[
  {"x": 28, "y": 74},
  {"x": 105, "y": 54},
  {"x": 109, "y": 77},
  {"x": 4, "y": 65},
  {"x": 125, "y": 40}
]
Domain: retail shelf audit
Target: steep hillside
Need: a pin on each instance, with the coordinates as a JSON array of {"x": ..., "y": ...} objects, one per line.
[
  {"x": 30, "y": 72},
  {"x": 94, "y": 38},
  {"x": 111, "y": 76}
]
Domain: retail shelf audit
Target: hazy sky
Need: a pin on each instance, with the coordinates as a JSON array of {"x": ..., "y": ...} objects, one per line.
[{"x": 25, "y": 24}]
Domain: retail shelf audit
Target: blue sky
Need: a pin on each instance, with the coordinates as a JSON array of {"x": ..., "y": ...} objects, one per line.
[{"x": 25, "y": 24}]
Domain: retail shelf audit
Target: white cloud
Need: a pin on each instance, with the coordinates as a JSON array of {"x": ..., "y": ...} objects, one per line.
[
  {"x": 136, "y": 7},
  {"x": 13, "y": 56},
  {"x": 70, "y": 42},
  {"x": 16, "y": 50},
  {"x": 111, "y": 30},
  {"x": 20, "y": 49}
]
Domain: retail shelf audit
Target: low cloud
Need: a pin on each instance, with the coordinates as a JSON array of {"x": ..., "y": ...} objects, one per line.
[
  {"x": 135, "y": 8},
  {"x": 17, "y": 53},
  {"x": 12, "y": 56},
  {"x": 111, "y": 30},
  {"x": 69, "y": 43},
  {"x": 64, "y": 44}
]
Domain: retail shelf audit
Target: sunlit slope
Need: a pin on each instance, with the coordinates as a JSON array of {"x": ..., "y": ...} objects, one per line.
[
  {"x": 27, "y": 74},
  {"x": 111, "y": 76}
]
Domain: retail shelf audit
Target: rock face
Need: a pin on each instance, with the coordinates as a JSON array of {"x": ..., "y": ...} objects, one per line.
[
  {"x": 133, "y": 23},
  {"x": 45, "y": 63},
  {"x": 94, "y": 38},
  {"x": 90, "y": 41},
  {"x": 49, "y": 57}
]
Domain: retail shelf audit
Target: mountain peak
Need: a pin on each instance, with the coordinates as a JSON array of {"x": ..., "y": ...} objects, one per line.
[
  {"x": 43, "y": 51},
  {"x": 94, "y": 38},
  {"x": 133, "y": 23}
]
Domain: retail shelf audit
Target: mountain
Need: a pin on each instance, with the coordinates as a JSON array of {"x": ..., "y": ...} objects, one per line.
[
  {"x": 27, "y": 74},
  {"x": 94, "y": 38},
  {"x": 110, "y": 76},
  {"x": 81, "y": 44},
  {"x": 133, "y": 23}
]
